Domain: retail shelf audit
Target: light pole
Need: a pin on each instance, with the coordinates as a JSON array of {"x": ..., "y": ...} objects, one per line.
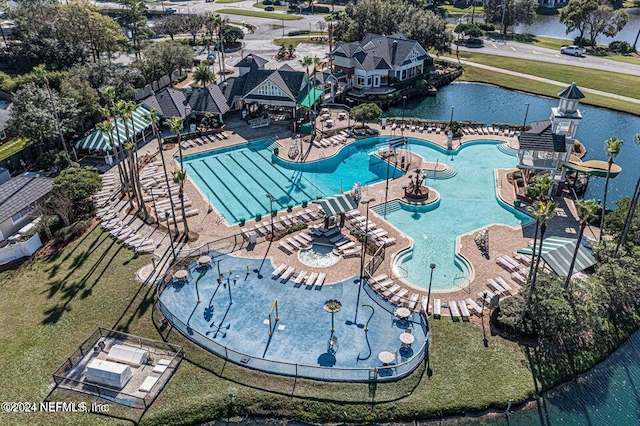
[
  {"x": 366, "y": 238},
  {"x": 404, "y": 101},
  {"x": 173, "y": 250},
  {"x": 432, "y": 266},
  {"x": 453, "y": 108},
  {"x": 524, "y": 123},
  {"x": 271, "y": 200}
]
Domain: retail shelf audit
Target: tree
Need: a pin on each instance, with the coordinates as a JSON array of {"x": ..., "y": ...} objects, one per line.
[
  {"x": 219, "y": 22},
  {"x": 79, "y": 183},
  {"x": 87, "y": 99},
  {"x": 42, "y": 116},
  {"x": 394, "y": 16},
  {"x": 576, "y": 16},
  {"x": 152, "y": 116},
  {"x": 231, "y": 34},
  {"x": 109, "y": 95},
  {"x": 586, "y": 210},
  {"x": 132, "y": 16},
  {"x": 469, "y": 30},
  {"x": 365, "y": 113},
  {"x": 632, "y": 208},
  {"x": 306, "y": 62},
  {"x": 164, "y": 58},
  {"x": 539, "y": 190},
  {"x": 107, "y": 128},
  {"x": 179, "y": 176},
  {"x": 612, "y": 148},
  {"x": 322, "y": 25},
  {"x": 543, "y": 212},
  {"x": 102, "y": 74},
  {"x": 41, "y": 72},
  {"x": 508, "y": 13},
  {"x": 203, "y": 75},
  {"x": 171, "y": 26},
  {"x": 193, "y": 25},
  {"x": 605, "y": 20},
  {"x": 60, "y": 204}
]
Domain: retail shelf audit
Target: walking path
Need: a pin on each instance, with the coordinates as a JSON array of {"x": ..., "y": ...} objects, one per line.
[{"x": 546, "y": 80}]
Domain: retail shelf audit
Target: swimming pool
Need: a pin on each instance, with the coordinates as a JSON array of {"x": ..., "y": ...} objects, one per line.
[
  {"x": 237, "y": 179},
  {"x": 468, "y": 201}
]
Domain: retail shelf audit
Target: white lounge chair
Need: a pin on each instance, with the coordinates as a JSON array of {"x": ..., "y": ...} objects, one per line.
[
  {"x": 312, "y": 279},
  {"x": 453, "y": 308},
  {"x": 320, "y": 279},
  {"x": 437, "y": 308},
  {"x": 464, "y": 312},
  {"x": 504, "y": 284},
  {"x": 473, "y": 305},
  {"x": 288, "y": 273},
  {"x": 287, "y": 247},
  {"x": 300, "y": 277},
  {"x": 399, "y": 295},
  {"x": 495, "y": 286},
  {"x": 279, "y": 270}
]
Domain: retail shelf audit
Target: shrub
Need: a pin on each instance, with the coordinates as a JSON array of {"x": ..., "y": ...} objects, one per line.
[
  {"x": 486, "y": 27},
  {"x": 621, "y": 47},
  {"x": 69, "y": 233},
  {"x": 267, "y": 2},
  {"x": 258, "y": 217},
  {"x": 298, "y": 32},
  {"x": 585, "y": 41},
  {"x": 321, "y": 9}
]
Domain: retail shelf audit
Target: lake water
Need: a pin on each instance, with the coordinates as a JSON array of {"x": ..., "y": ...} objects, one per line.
[{"x": 491, "y": 104}]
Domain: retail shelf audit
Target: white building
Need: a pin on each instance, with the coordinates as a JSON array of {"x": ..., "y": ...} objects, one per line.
[{"x": 376, "y": 61}]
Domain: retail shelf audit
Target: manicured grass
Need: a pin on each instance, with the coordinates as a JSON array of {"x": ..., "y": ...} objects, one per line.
[
  {"x": 617, "y": 83},
  {"x": 457, "y": 11},
  {"x": 12, "y": 146},
  {"x": 258, "y": 14},
  {"x": 51, "y": 304},
  {"x": 535, "y": 87},
  {"x": 296, "y": 40}
]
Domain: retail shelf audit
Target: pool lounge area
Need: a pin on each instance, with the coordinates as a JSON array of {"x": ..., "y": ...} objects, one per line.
[{"x": 232, "y": 321}]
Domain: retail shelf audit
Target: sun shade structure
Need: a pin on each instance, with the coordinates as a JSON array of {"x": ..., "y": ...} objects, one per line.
[
  {"x": 337, "y": 204},
  {"x": 596, "y": 168},
  {"x": 99, "y": 140},
  {"x": 311, "y": 97},
  {"x": 558, "y": 252}
]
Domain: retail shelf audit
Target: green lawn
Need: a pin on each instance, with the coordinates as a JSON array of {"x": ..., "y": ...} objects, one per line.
[
  {"x": 9, "y": 148},
  {"x": 259, "y": 14},
  {"x": 530, "y": 86},
  {"x": 457, "y": 11},
  {"x": 296, "y": 40},
  {"x": 617, "y": 83},
  {"x": 51, "y": 304}
]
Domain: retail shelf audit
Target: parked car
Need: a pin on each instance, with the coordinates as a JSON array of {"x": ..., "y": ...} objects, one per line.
[
  {"x": 269, "y": 9},
  {"x": 573, "y": 50}
]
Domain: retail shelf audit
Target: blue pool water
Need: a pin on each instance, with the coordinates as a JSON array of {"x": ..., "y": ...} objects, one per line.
[
  {"x": 236, "y": 180},
  {"x": 234, "y": 314},
  {"x": 468, "y": 202}
]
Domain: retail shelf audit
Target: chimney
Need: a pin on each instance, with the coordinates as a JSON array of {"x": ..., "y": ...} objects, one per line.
[{"x": 394, "y": 48}]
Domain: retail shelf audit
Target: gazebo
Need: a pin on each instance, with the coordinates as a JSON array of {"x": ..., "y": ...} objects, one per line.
[{"x": 337, "y": 205}]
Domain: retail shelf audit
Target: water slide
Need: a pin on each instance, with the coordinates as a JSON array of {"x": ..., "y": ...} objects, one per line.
[{"x": 596, "y": 168}]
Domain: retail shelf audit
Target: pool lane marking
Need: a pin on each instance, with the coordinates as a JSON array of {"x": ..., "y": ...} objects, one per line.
[
  {"x": 241, "y": 184},
  {"x": 298, "y": 172},
  {"x": 229, "y": 190},
  {"x": 285, "y": 176},
  {"x": 212, "y": 191}
]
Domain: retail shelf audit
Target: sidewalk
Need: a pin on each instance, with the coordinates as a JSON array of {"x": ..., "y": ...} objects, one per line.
[{"x": 545, "y": 80}]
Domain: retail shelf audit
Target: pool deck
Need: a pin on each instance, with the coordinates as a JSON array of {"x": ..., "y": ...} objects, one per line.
[{"x": 504, "y": 239}]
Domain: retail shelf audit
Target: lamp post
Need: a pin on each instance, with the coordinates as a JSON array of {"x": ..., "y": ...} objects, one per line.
[
  {"x": 432, "y": 266},
  {"x": 173, "y": 250},
  {"x": 453, "y": 108},
  {"x": 271, "y": 200},
  {"x": 524, "y": 123},
  {"x": 366, "y": 238},
  {"x": 404, "y": 101}
]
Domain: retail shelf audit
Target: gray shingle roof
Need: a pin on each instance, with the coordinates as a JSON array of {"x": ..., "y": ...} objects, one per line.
[
  {"x": 571, "y": 92},
  {"x": 251, "y": 60},
  {"x": 21, "y": 192},
  {"x": 168, "y": 103},
  {"x": 232, "y": 88},
  {"x": 392, "y": 51},
  {"x": 5, "y": 114},
  {"x": 290, "y": 82},
  {"x": 540, "y": 138},
  {"x": 208, "y": 99}
]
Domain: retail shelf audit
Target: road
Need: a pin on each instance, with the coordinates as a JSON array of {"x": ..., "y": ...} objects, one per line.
[{"x": 526, "y": 51}]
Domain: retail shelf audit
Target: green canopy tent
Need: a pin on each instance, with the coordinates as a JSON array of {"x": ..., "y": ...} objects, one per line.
[
  {"x": 557, "y": 252},
  {"x": 337, "y": 205},
  {"x": 311, "y": 97},
  {"x": 99, "y": 140}
]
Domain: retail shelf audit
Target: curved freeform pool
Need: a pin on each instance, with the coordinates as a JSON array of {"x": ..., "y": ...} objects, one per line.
[{"x": 467, "y": 202}]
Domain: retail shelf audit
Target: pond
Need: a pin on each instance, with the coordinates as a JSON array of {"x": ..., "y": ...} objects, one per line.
[{"x": 491, "y": 104}]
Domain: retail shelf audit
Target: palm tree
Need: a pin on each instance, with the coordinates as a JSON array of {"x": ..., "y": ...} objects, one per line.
[
  {"x": 41, "y": 72},
  {"x": 203, "y": 75},
  {"x": 306, "y": 61},
  {"x": 632, "y": 208},
  {"x": 107, "y": 127},
  {"x": 179, "y": 177},
  {"x": 219, "y": 23},
  {"x": 586, "y": 209},
  {"x": 152, "y": 116},
  {"x": 131, "y": 108},
  {"x": 123, "y": 111},
  {"x": 539, "y": 189},
  {"x": 544, "y": 212},
  {"x": 316, "y": 62},
  {"x": 612, "y": 148},
  {"x": 109, "y": 95}
]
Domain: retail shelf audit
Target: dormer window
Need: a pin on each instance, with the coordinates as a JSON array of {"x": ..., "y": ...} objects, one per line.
[{"x": 413, "y": 55}]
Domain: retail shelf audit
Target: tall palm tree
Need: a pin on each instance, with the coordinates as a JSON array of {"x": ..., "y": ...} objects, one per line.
[
  {"x": 203, "y": 75},
  {"x": 109, "y": 95},
  {"x": 586, "y": 211},
  {"x": 544, "y": 212},
  {"x": 123, "y": 112},
  {"x": 220, "y": 23},
  {"x": 539, "y": 188},
  {"x": 41, "y": 72},
  {"x": 107, "y": 127},
  {"x": 632, "y": 208},
  {"x": 317, "y": 63},
  {"x": 131, "y": 108},
  {"x": 179, "y": 177},
  {"x": 611, "y": 148},
  {"x": 306, "y": 62},
  {"x": 152, "y": 116}
]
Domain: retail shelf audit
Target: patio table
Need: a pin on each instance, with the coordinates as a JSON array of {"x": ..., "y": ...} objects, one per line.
[
  {"x": 403, "y": 313},
  {"x": 386, "y": 357},
  {"x": 407, "y": 339}
]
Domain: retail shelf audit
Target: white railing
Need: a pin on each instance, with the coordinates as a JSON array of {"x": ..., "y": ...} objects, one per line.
[{"x": 21, "y": 249}]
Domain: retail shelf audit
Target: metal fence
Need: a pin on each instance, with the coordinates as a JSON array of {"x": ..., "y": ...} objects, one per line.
[
  {"x": 69, "y": 374},
  {"x": 353, "y": 374}
]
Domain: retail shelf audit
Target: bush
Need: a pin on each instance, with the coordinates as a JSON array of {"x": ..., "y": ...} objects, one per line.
[
  {"x": 69, "y": 233},
  {"x": 267, "y": 2},
  {"x": 585, "y": 41},
  {"x": 320, "y": 9},
  {"x": 486, "y": 27},
  {"x": 621, "y": 47},
  {"x": 508, "y": 316},
  {"x": 298, "y": 32}
]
